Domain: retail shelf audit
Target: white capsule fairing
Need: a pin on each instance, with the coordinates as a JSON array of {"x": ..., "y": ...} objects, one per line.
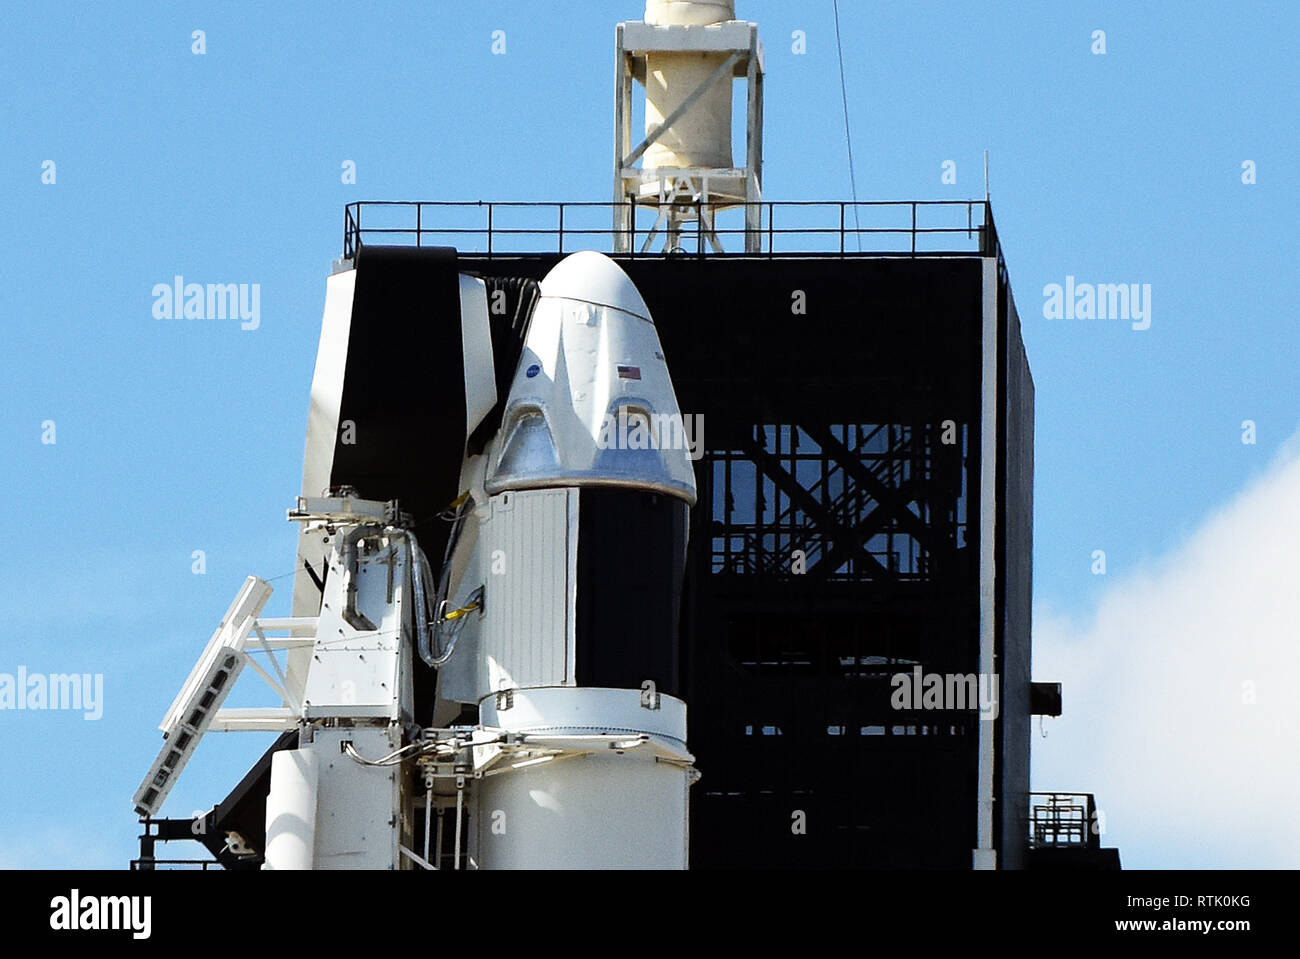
[{"x": 592, "y": 403}]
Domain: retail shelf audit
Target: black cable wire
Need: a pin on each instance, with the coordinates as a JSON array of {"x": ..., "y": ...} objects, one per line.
[{"x": 848, "y": 139}]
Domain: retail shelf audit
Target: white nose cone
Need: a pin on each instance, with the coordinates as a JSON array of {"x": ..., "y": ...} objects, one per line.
[
  {"x": 592, "y": 277},
  {"x": 592, "y": 403}
]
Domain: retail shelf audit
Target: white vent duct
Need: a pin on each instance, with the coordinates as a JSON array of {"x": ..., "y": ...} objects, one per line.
[
  {"x": 702, "y": 137},
  {"x": 687, "y": 54}
]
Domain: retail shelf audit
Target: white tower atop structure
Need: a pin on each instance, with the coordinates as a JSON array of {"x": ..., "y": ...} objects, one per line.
[{"x": 686, "y": 54}]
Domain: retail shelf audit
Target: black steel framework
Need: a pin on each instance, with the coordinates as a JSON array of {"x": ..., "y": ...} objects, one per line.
[
  {"x": 835, "y": 420},
  {"x": 1065, "y": 832},
  {"x": 1063, "y": 820},
  {"x": 852, "y": 502},
  {"x": 180, "y": 830}
]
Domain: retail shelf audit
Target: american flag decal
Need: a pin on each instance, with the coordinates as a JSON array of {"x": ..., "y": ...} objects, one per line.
[{"x": 629, "y": 372}]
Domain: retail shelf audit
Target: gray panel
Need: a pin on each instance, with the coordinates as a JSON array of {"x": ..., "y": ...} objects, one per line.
[
  {"x": 1015, "y": 558},
  {"x": 526, "y": 614}
]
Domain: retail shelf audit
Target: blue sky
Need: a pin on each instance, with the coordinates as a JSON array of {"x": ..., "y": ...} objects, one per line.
[{"x": 173, "y": 436}]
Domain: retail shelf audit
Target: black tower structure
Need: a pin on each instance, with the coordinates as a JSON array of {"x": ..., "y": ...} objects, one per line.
[{"x": 866, "y": 511}]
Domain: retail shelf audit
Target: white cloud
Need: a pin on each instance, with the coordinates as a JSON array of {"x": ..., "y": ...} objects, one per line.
[{"x": 1154, "y": 722}]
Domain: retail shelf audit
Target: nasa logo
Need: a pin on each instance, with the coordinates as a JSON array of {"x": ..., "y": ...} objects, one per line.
[{"x": 533, "y": 371}]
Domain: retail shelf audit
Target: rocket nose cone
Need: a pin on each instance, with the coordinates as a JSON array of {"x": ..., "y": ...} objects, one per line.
[{"x": 592, "y": 277}]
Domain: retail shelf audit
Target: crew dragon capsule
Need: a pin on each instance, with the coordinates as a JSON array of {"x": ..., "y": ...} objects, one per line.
[{"x": 575, "y": 532}]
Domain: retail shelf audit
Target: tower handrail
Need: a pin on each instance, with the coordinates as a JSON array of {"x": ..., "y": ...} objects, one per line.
[{"x": 476, "y": 228}]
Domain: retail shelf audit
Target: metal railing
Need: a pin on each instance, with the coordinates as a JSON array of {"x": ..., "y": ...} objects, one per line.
[
  {"x": 797, "y": 228},
  {"x": 1062, "y": 821},
  {"x": 149, "y": 865}
]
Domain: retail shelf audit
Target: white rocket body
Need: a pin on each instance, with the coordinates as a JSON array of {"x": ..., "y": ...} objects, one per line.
[
  {"x": 555, "y": 774},
  {"x": 623, "y": 806}
]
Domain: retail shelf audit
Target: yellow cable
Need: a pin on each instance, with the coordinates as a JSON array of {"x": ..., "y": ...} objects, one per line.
[{"x": 458, "y": 613}]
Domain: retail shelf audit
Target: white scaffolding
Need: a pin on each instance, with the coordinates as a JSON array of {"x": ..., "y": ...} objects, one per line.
[{"x": 684, "y": 194}]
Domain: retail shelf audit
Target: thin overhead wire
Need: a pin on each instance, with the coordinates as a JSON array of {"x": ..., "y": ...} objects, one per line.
[{"x": 848, "y": 139}]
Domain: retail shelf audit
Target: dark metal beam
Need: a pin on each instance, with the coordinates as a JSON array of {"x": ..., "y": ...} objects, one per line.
[{"x": 838, "y": 533}]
